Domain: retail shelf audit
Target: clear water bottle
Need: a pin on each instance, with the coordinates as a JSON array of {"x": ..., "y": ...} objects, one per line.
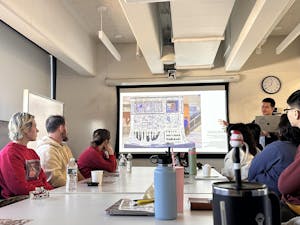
[
  {"x": 71, "y": 184},
  {"x": 129, "y": 163},
  {"x": 122, "y": 164},
  {"x": 165, "y": 203}
]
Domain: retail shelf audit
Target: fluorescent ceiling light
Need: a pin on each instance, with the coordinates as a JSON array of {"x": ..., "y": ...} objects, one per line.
[
  {"x": 102, "y": 36},
  {"x": 105, "y": 40},
  {"x": 198, "y": 39},
  {"x": 288, "y": 40}
]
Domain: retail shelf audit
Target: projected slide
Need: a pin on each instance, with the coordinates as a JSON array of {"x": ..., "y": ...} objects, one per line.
[{"x": 154, "y": 120}]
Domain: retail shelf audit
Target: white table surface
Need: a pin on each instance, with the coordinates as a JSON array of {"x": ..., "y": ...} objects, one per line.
[
  {"x": 89, "y": 209},
  {"x": 139, "y": 180}
]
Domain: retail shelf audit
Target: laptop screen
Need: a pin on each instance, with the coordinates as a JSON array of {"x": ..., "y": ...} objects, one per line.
[{"x": 268, "y": 123}]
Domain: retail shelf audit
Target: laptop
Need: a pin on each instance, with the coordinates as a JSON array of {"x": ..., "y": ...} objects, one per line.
[{"x": 268, "y": 123}]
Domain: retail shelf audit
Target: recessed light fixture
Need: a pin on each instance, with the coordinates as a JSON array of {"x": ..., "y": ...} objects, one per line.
[{"x": 118, "y": 36}]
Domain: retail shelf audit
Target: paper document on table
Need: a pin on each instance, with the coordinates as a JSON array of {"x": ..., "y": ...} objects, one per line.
[
  {"x": 128, "y": 204},
  {"x": 128, "y": 207}
]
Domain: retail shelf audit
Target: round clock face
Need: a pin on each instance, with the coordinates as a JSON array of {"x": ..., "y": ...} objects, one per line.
[{"x": 271, "y": 84}]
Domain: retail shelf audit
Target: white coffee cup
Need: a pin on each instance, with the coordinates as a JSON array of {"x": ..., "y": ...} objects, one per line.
[
  {"x": 97, "y": 176},
  {"x": 206, "y": 170}
]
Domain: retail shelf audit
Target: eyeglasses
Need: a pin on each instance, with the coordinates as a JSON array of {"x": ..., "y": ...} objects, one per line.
[{"x": 286, "y": 110}]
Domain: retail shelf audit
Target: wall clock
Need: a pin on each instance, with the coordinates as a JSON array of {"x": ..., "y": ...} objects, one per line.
[{"x": 271, "y": 84}]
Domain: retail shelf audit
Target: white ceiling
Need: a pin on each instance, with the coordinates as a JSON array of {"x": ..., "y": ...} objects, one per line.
[
  {"x": 115, "y": 23},
  {"x": 199, "y": 28},
  {"x": 289, "y": 21}
]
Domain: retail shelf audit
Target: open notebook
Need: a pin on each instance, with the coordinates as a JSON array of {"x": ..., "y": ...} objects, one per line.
[{"x": 126, "y": 207}]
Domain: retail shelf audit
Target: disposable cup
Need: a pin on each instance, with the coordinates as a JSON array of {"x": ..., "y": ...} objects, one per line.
[
  {"x": 206, "y": 169},
  {"x": 97, "y": 176}
]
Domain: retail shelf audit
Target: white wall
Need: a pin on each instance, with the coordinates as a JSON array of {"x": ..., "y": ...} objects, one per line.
[
  {"x": 93, "y": 105},
  {"x": 245, "y": 96},
  {"x": 45, "y": 23},
  {"x": 23, "y": 65},
  {"x": 90, "y": 104}
]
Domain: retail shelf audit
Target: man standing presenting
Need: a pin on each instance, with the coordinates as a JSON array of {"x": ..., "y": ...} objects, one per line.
[
  {"x": 54, "y": 152},
  {"x": 268, "y": 106},
  {"x": 267, "y": 109}
]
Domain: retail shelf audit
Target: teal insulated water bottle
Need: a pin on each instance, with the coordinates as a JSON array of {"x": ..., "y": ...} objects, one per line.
[{"x": 165, "y": 200}]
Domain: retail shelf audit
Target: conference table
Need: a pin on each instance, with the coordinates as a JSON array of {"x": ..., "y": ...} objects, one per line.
[
  {"x": 141, "y": 178},
  {"x": 89, "y": 209},
  {"x": 87, "y": 205}
]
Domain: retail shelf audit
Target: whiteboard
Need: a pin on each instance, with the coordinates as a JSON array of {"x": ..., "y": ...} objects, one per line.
[
  {"x": 41, "y": 107},
  {"x": 4, "y": 139}
]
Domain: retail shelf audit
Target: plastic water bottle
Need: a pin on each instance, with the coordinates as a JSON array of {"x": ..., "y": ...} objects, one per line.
[
  {"x": 71, "y": 184},
  {"x": 129, "y": 163},
  {"x": 122, "y": 164},
  {"x": 192, "y": 161},
  {"x": 165, "y": 203}
]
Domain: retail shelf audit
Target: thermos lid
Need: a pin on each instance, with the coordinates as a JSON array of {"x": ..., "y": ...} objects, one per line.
[{"x": 230, "y": 189}]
